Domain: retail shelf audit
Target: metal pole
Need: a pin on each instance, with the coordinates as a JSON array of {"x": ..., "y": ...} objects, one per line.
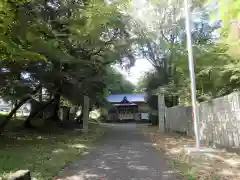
[{"x": 192, "y": 73}]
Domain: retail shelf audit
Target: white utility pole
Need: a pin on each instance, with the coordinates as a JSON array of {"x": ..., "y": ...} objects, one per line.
[{"x": 192, "y": 74}]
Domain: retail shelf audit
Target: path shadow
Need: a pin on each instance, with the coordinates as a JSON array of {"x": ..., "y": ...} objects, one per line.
[{"x": 124, "y": 154}]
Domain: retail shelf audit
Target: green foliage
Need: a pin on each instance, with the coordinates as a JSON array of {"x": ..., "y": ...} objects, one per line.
[
  {"x": 164, "y": 45},
  {"x": 66, "y": 46},
  {"x": 149, "y": 81},
  {"x": 117, "y": 83},
  {"x": 230, "y": 30}
]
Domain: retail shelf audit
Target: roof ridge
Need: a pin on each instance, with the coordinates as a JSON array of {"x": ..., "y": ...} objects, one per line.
[{"x": 132, "y": 97}]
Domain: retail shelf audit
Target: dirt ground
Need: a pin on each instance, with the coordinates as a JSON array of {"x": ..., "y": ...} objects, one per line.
[
  {"x": 123, "y": 153},
  {"x": 218, "y": 165}
]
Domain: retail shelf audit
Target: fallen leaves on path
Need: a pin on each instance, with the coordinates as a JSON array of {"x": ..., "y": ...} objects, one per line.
[{"x": 219, "y": 165}]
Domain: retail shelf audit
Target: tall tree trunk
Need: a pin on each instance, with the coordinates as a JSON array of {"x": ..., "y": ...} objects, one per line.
[
  {"x": 40, "y": 94},
  {"x": 14, "y": 103},
  {"x": 14, "y": 110},
  {"x": 27, "y": 122},
  {"x": 40, "y": 98},
  {"x": 56, "y": 98}
]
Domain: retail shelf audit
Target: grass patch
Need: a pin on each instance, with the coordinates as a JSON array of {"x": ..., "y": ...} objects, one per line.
[
  {"x": 44, "y": 154},
  {"x": 3, "y": 113},
  {"x": 188, "y": 172}
]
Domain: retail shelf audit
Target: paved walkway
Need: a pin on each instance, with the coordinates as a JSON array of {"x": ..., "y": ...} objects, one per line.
[{"x": 123, "y": 154}]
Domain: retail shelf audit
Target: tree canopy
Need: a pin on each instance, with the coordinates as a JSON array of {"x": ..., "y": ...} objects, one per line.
[
  {"x": 117, "y": 83},
  {"x": 215, "y": 53},
  {"x": 65, "y": 47}
]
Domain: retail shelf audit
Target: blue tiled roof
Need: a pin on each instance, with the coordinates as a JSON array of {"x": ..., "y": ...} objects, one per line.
[{"x": 117, "y": 98}]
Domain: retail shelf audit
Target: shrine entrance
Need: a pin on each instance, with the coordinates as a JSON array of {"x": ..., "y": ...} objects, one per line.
[{"x": 125, "y": 111}]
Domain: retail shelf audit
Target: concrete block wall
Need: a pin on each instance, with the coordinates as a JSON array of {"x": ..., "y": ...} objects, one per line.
[
  {"x": 219, "y": 120},
  {"x": 179, "y": 119}
]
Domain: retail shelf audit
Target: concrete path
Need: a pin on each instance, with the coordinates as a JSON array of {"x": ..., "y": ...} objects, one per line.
[{"x": 123, "y": 154}]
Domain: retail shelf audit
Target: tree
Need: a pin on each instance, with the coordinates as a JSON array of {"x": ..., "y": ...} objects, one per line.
[
  {"x": 160, "y": 41},
  {"x": 230, "y": 24},
  {"x": 216, "y": 72},
  {"x": 65, "y": 47},
  {"x": 117, "y": 83}
]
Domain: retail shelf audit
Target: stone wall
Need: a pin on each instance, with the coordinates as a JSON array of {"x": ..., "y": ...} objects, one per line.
[
  {"x": 219, "y": 120},
  {"x": 179, "y": 119}
]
